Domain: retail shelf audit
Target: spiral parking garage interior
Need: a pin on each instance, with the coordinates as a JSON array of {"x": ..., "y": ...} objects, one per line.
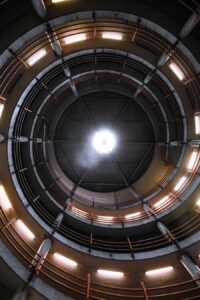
[{"x": 99, "y": 149}]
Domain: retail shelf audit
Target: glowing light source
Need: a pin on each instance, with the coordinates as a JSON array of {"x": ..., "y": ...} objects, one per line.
[
  {"x": 64, "y": 260},
  {"x": 22, "y": 228},
  {"x": 104, "y": 219},
  {"x": 104, "y": 141},
  {"x": 197, "y": 122},
  {"x": 180, "y": 183},
  {"x": 161, "y": 201},
  {"x": 177, "y": 71},
  {"x": 75, "y": 38},
  {"x": 1, "y": 109},
  {"x": 56, "y": 1},
  {"x": 198, "y": 203},
  {"x": 110, "y": 274},
  {"x": 4, "y": 200},
  {"x": 36, "y": 56},
  {"x": 160, "y": 271},
  {"x": 133, "y": 215},
  {"x": 112, "y": 35},
  {"x": 192, "y": 160}
]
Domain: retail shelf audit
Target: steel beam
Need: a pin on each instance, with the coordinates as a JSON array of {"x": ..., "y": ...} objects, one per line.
[
  {"x": 40, "y": 8},
  {"x": 190, "y": 24}
]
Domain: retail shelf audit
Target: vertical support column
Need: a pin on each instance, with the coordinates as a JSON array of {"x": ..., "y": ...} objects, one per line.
[
  {"x": 40, "y": 8},
  {"x": 190, "y": 24},
  {"x": 21, "y": 294},
  {"x": 191, "y": 267},
  {"x": 2, "y": 138},
  {"x": 41, "y": 255}
]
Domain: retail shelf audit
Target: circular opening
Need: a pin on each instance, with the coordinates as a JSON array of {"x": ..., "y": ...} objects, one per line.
[{"x": 104, "y": 141}]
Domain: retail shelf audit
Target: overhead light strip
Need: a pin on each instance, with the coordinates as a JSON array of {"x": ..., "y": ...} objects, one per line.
[
  {"x": 112, "y": 35},
  {"x": 110, "y": 274},
  {"x": 75, "y": 38},
  {"x": 23, "y": 229},
  {"x": 65, "y": 260},
  {"x": 4, "y": 200},
  {"x": 160, "y": 271},
  {"x": 177, "y": 71},
  {"x": 180, "y": 183},
  {"x": 36, "y": 57}
]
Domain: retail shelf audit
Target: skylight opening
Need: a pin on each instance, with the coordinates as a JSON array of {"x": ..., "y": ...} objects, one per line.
[
  {"x": 75, "y": 38},
  {"x": 177, "y": 71},
  {"x": 104, "y": 141},
  {"x": 112, "y": 35}
]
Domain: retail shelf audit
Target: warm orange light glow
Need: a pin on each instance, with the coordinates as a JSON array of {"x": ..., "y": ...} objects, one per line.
[
  {"x": 110, "y": 274},
  {"x": 158, "y": 272},
  {"x": 198, "y": 203},
  {"x": 64, "y": 260},
  {"x": 4, "y": 200},
  {"x": 104, "y": 219}
]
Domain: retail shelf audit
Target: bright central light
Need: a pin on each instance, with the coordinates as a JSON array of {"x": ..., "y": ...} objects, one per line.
[{"x": 104, "y": 141}]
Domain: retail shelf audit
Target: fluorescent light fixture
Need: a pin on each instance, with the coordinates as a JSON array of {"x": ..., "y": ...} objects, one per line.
[
  {"x": 197, "y": 122},
  {"x": 22, "y": 228},
  {"x": 198, "y": 203},
  {"x": 110, "y": 274},
  {"x": 177, "y": 71},
  {"x": 1, "y": 109},
  {"x": 104, "y": 141},
  {"x": 57, "y": 1},
  {"x": 105, "y": 218},
  {"x": 112, "y": 35},
  {"x": 36, "y": 56},
  {"x": 64, "y": 260},
  {"x": 160, "y": 271},
  {"x": 75, "y": 38},
  {"x": 133, "y": 215},
  {"x": 161, "y": 201},
  {"x": 180, "y": 183},
  {"x": 4, "y": 200},
  {"x": 192, "y": 160}
]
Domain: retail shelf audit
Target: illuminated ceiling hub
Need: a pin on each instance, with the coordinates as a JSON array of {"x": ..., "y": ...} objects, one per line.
[{"x": 104, "y": 141}]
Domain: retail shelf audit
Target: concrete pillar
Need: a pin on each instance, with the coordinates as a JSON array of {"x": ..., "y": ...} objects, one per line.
[
  {"x": 23, "y": 139},
  {"x": 191, "y": 267},
  {"x": 40, "y": 8},
  {"x": 54, "y": 42},
  {"x": 2, "y": 138},
  {"x": 59, "y": 220},
  {"x": 42, "y": 251},
  {"x": 190, "y": 24},
  {"x": 21, "y": 294},
  {"x": 147, "y": 209},
  {"x": 162, "y": 228}
]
